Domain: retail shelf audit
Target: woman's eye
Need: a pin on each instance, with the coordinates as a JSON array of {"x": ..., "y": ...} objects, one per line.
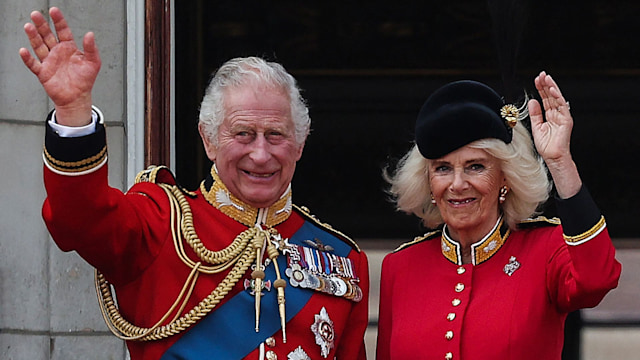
[
  {"x": 442, "y": 168},
  {"x": 476, "y": 167}
]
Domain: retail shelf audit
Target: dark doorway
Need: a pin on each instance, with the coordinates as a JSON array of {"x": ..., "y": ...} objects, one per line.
[{"x": 366, "y": 70}]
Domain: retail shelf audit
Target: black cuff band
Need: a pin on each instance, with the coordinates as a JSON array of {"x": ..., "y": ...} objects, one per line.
[
  {"x": 72, "y": 154},
  {"x": 578, "y": 213}
]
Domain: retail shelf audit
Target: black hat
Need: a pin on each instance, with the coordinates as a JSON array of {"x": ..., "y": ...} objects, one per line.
[{"x": 459, "y": 113}]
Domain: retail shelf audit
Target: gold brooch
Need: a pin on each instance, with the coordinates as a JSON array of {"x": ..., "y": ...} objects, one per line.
[{"x": 510, "y": 113}]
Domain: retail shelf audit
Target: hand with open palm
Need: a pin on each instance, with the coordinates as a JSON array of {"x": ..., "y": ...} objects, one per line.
[
  {"x": 66, "y": 73},
  {"x": 553, "y": 136}
]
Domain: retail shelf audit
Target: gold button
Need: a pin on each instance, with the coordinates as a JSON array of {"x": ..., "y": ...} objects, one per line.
[
  {"x": 459, "y": 287},
  {"x": 461, "y": 270},
  {"x": 456, "y": 302},
  {"x": 270, "y": 342},
  {"x": 448, "y": 335},
  {"x": 448, "y": 356},
  {"x": 271, "y": 355},
  {"x": 451, "y": 316}
]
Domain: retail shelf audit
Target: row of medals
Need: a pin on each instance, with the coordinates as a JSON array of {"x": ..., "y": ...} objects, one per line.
[{"x": 321, "y": 271}]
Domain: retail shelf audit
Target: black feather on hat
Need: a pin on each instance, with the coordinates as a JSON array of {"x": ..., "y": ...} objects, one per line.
[{"x": 460, "y": 113}]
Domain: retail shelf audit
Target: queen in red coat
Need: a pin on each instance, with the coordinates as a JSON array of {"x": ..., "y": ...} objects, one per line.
[{"x": 491, "y": 282}]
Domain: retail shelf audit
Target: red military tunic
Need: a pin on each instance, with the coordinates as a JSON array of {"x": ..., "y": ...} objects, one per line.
[
  {"x": 128, "y": 238},
  {"x": 510, "y": 303}
]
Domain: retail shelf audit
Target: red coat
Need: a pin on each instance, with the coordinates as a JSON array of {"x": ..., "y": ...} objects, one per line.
[
  {"x": 511, "y": 305},
  {"x": 128, "y": 238}
]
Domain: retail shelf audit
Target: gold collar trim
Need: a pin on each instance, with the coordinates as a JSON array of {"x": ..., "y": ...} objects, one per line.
[
  {"x": 481, "y": 250},
  {"x": 222, "y": 199}
]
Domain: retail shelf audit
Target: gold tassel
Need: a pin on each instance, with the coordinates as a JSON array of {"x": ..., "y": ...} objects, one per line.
[
  {"x": 258, "y": 275},
  {"x": 279, "y": 284}
]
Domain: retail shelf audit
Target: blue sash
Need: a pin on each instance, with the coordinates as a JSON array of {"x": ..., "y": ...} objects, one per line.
[{"x": 228, "y": 332}]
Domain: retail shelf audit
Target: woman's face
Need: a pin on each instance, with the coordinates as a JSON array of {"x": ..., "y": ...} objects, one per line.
[{"x": 466, "y": 185}]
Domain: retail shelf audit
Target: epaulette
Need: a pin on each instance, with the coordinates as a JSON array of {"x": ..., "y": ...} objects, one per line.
[
  {"x": 160, "y": 175},
  {"x": 540, "y": 221},
  {"x": 418, "y": 239},
  {"x": 304, "y": 211},
  {"x": 157, "y": 175}
]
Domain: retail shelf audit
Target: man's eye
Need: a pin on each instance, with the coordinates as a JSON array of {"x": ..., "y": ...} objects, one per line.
[
  {"x": 244, "y": 137},
  {"x": 275, "y": 136}
]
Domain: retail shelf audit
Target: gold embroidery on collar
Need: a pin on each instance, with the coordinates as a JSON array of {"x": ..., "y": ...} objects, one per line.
[
  {"x": 482, "y": 250},
  {"x": 220, "y": 197},
  {"x": 451, "y": 250}
]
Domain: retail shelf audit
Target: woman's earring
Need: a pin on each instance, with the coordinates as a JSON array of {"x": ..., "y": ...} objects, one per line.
[
  {"x": 503, "y": 194},
  {"x": 433, "y": 200}
]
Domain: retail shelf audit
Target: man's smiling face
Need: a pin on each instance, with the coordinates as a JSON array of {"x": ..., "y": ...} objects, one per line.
[{"x": 256, "y": 151}]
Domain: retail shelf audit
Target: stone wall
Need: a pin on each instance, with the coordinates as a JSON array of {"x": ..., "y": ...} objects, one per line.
[{"x": 48, "y": 307}]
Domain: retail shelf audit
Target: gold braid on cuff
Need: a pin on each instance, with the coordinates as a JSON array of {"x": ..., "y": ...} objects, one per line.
[{"x": 587, "y": 235}]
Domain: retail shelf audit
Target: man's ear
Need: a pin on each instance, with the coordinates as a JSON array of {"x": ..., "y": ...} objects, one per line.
[
  {"x": 300, "y": 151},
  {"x": 209, "y": 148}
]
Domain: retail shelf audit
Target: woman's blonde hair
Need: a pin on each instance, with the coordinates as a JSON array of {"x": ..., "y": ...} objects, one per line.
[{"x": 525, "y": 173}]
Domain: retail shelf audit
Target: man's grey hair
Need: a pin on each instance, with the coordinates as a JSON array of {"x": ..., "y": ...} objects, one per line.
[{"x": 245, "y": 71}]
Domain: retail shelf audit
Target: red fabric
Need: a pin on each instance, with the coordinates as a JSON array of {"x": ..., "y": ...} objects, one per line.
[
  {"x": 499, "y": 316},
  {"x": 128, "y": 238}
]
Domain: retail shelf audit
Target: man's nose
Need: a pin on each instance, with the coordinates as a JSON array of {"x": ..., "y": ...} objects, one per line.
[{"x": 260, "y": 149}]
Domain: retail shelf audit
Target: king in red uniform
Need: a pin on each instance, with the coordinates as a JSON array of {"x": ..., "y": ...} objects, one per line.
[
  {"x": 490, "y": 282},
  {"x": 233, "y": 270}
]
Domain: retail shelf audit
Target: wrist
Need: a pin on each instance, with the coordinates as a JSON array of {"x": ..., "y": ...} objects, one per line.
[
  {"x": 76, "y": 131},
  {"x": 565, "y": 177},
  {"x": 76, "y": 114},
  {"x": 560, "y": 163}
]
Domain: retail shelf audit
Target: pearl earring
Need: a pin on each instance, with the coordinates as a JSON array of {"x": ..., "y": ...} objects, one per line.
[
  {"x": 433, "y": 200},
  {"x": 503, "y": 194}
]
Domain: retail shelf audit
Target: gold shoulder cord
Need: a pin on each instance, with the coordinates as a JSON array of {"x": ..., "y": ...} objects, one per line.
[{"x": 240, "y": 252}]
